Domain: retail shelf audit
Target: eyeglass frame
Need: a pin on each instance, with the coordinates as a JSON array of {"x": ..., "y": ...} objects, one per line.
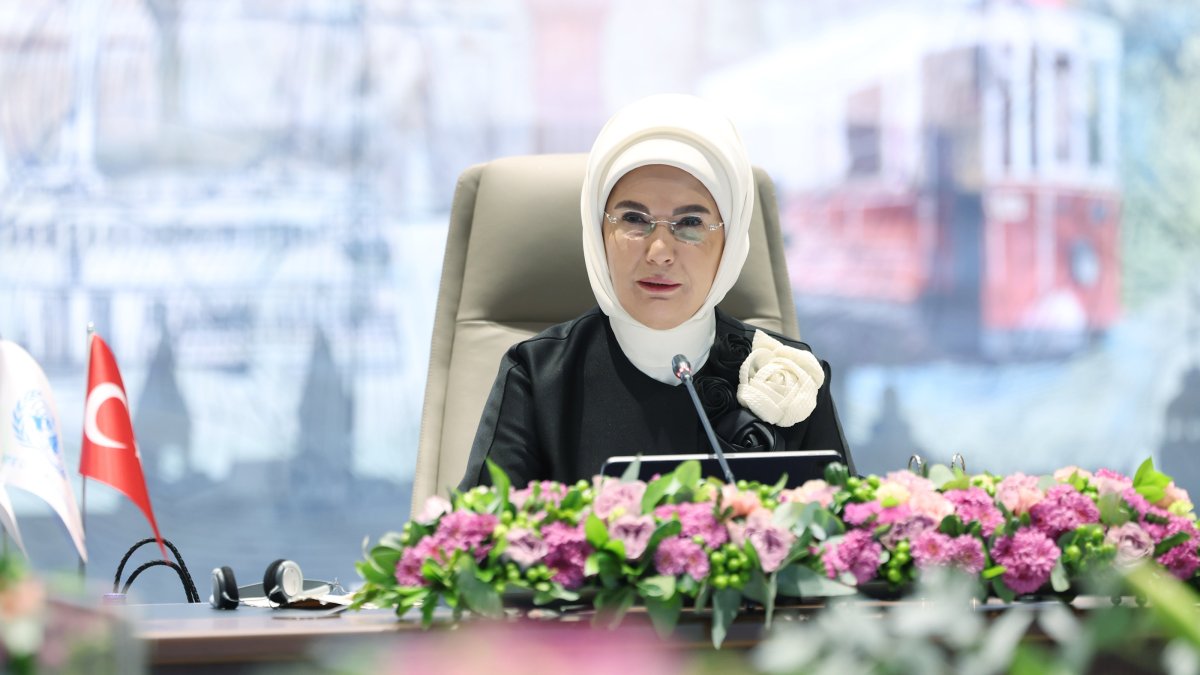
[{"x": 671, "y": 225}]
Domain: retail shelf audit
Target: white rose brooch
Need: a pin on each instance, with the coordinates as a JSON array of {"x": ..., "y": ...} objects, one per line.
[{"x": 779, "y": 383}]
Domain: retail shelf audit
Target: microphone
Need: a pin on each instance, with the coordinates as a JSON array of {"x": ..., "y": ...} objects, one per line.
[{"x": 683, "y": 370}]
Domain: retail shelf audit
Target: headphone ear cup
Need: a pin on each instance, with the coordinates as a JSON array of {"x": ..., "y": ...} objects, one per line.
[
  {"x": 224, "y": 589},
  {"x": 282, "y": 581}
]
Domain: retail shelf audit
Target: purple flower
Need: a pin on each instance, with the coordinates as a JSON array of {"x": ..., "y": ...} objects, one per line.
[
  {"x": 696, "y": 519},
  {"x": 613, "y": 495},
  {"x": 966, "y": 553},
  {"x": 1133, "y": 544},
  {"x": 408, "y": 568},
  {"x": 1181, "y": 560},
  {"x": 1028, "y": 557},
  {"x": 906, "y": 530},
  {"x": 855, "y": 553},
  {"x": 857, "y": 514},
  {"x": 771, "y": 542},
  {"x": 974, "y": 504},
  {"x": 524, "y": 547},
  {"x": 634, "y": 532},
  {"x": 1062, "y": 510},
  {"x": 466, "y": 531},
  {"x": 931, "y": 549},
  {"x": 568, "y": 551},
  {"x": 549, "y": 492},
  {"x": 679, "y": 555},
  {"x": 1136, "y": 501}
]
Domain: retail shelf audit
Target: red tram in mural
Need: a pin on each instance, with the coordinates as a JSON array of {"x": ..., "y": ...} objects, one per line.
[{"x": 958, "y": 166}]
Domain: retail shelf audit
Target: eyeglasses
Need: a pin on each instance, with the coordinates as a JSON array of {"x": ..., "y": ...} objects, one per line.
[{"x": 690, "y": 229}]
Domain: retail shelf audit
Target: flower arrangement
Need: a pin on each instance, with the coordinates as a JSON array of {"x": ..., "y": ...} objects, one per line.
[{"x": 683, "y": 540}]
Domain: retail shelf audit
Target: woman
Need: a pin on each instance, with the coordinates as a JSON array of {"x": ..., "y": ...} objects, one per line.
[{"x": 666, "y": 208}]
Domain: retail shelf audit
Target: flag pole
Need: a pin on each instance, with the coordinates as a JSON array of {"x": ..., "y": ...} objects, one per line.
[{"x": 91, "y": 330}]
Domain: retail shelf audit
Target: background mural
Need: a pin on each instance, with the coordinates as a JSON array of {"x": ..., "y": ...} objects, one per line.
[{"x": 987, "y": 208}]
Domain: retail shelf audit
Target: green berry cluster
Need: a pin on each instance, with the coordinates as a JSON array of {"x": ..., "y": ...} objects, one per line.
[
  {"x": 1088, "y": 549},
  {"x": 897, "y": 569},
  {"x": 863, "y": 489},
  {"x": 730, "y": 567}
]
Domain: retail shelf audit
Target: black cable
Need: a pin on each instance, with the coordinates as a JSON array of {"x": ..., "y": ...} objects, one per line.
[
  {"x": 189, "y": 586},
  {"x": 188, "y": 590}
]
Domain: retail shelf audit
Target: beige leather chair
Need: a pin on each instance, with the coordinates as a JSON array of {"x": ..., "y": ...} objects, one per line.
[{"x": 514, "y": 266}]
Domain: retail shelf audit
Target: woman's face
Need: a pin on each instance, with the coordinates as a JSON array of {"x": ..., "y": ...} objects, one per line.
[{"x": 659, "y": 279}]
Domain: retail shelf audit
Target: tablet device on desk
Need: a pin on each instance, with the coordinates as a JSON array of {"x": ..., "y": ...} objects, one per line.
[{"x": 764, "y": 467}]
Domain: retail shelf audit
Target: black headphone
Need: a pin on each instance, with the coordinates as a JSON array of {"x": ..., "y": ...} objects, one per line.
[{"x": 283, "y": 583}]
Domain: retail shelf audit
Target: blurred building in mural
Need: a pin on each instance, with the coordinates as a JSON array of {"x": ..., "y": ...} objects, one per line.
[{"x": 249, "y": 200}]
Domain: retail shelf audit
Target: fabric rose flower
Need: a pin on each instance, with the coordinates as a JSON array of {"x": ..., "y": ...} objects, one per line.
[
  {"x": 716, "y": 395},
  {"x": 730, "y": 351},
  {"x": 779, "y": 383}
]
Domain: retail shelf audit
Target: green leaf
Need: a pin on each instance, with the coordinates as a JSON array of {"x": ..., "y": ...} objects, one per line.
[
  {"x": 952, "y": 525},
  {"x": 701, "y": 595},
  {"x": 596, "y": 531},
  {"x": 939, "y": 475},
  {"x": 725, "y": 607},
  {"x": 612, "y": 604},
  {"x": 632, "y": 471},
  {"x": 1150, "y": 483},
  {"x": 500, "y": 485},
  {"x": 479, "y": 595},
  {"x": 392, "y": 540},
  {"x": 688, "y": 474},
  {"x": 664, "y": 614},
  {"x": 756, "y": 588},
  {"x": 1058, "y": 577},
  {"x": 1112, "y": 510},
  {"x": 836, "y": 474},
  {"x": 1171, "y": 601},
  {"x": 1170, "y": 542},
  {"x": 655, "y": 491},
  {"x": 427, "y": 608},
  {"x": 798, "y": 581},
  {"x": 368, "y": 570},
  {"x": 788, "y": 514},
  {"x": 658, "y": 587},
  {"x": 1002, "y": 590},
  {"x": 993, "y": 572}
]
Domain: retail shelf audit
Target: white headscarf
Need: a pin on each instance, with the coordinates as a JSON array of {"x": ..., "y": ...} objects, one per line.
[{"x": 684, "y": 132}]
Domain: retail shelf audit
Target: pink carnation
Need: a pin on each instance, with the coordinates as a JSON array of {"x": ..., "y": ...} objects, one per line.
[
  {"x": 466, "y": 531},
  {"x": 549, "y": 492},
  {"x": 408, "y": 568},
  {"x": 679, "y": 555},
  {"x": 858, "y": 513},
  {"x": 614, "y": 495},
  {"x": 1063, "y": 510},
  {"x": 1173, "y": 493},
  {"x": 568, "y": 551},
  {"x": 975, "y": 505},
  {"x": 1018, "y": 493},
  {"x": 913, "y": 482},
  {"x": 856, "y": 553},
  {"x": 813, "y": 491},
  {"x": 743, "y": 503},
  {"x": 966, "y": 553},
  {"x": 931, "y": 548},
  {"x": 1028, "y": 557},
  {"x": 696, "y": 519},
  {"x": 1065, "y": 474},
  {"x": 931, "y": 504}
]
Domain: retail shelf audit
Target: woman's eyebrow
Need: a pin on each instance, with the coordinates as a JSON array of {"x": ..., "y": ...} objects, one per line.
[
  {"x": 630, "y": 204},
  {"x": 691, "y": 208}
]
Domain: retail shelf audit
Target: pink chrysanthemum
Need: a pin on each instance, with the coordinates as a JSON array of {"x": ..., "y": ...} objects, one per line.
[
  {"x": 681, "y": 555},
  {"x": 975, "y": 505},
  {"x": 1062, "y": 510},
  {"x": 966, "y": 553},
  {"x": 1028, "y": 557},
  {"x": 859, "y": 513},
  {"x": 568, "y": 551},
  {"x": 856, "y": 553},
  {"x": 696, "y": 519}
]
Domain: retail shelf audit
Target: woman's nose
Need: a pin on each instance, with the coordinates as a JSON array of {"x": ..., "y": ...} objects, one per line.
[{"x": 661, "y": 247}]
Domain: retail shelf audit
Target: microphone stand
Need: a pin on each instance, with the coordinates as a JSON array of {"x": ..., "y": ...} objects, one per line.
[{"x": 683, "y": 370}]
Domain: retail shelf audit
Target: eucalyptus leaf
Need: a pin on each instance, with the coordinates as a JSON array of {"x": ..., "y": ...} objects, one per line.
[
  {"x": 392, "y": 540},
  {"x": 664, "y": 614},
  {"x": 658, "y": 587},
  {"x": 1058, "y": 577},
  {"x": 1112, "y": 512},
  {"x": 632, "y": 471},
  {"x": 725, "y": 608},
  {"x": 655, "y": 491},
  {"x": 688, "y": 474},
  {"x": 596, "y": 531},
  {"x": 798, "y": 581},
  {"x": 939, "y": 475},
  {"x": 788, "y": 514}
]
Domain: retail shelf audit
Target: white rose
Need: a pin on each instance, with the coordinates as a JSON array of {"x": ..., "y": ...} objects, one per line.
[{"x": 779, "y": 383}]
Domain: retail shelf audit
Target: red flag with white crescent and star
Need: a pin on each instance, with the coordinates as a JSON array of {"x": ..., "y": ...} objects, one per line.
[{"x": 109, "y": 453}]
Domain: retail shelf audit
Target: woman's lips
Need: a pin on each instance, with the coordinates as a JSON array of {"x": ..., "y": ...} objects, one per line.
[{"x": 658, "y": 286}]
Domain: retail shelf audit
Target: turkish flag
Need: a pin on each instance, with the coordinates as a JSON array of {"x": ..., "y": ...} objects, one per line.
[{"x": 109, "y": 453}]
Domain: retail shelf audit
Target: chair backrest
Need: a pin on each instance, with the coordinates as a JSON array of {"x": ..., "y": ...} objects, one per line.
[{"x": 514, "y": 266}]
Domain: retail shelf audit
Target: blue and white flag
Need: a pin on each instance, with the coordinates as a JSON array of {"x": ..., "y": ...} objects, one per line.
[{"x": 30, "y": 444}]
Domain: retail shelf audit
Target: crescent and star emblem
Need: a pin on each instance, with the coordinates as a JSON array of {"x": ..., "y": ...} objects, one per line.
[{"x": 95, "y": 399}]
